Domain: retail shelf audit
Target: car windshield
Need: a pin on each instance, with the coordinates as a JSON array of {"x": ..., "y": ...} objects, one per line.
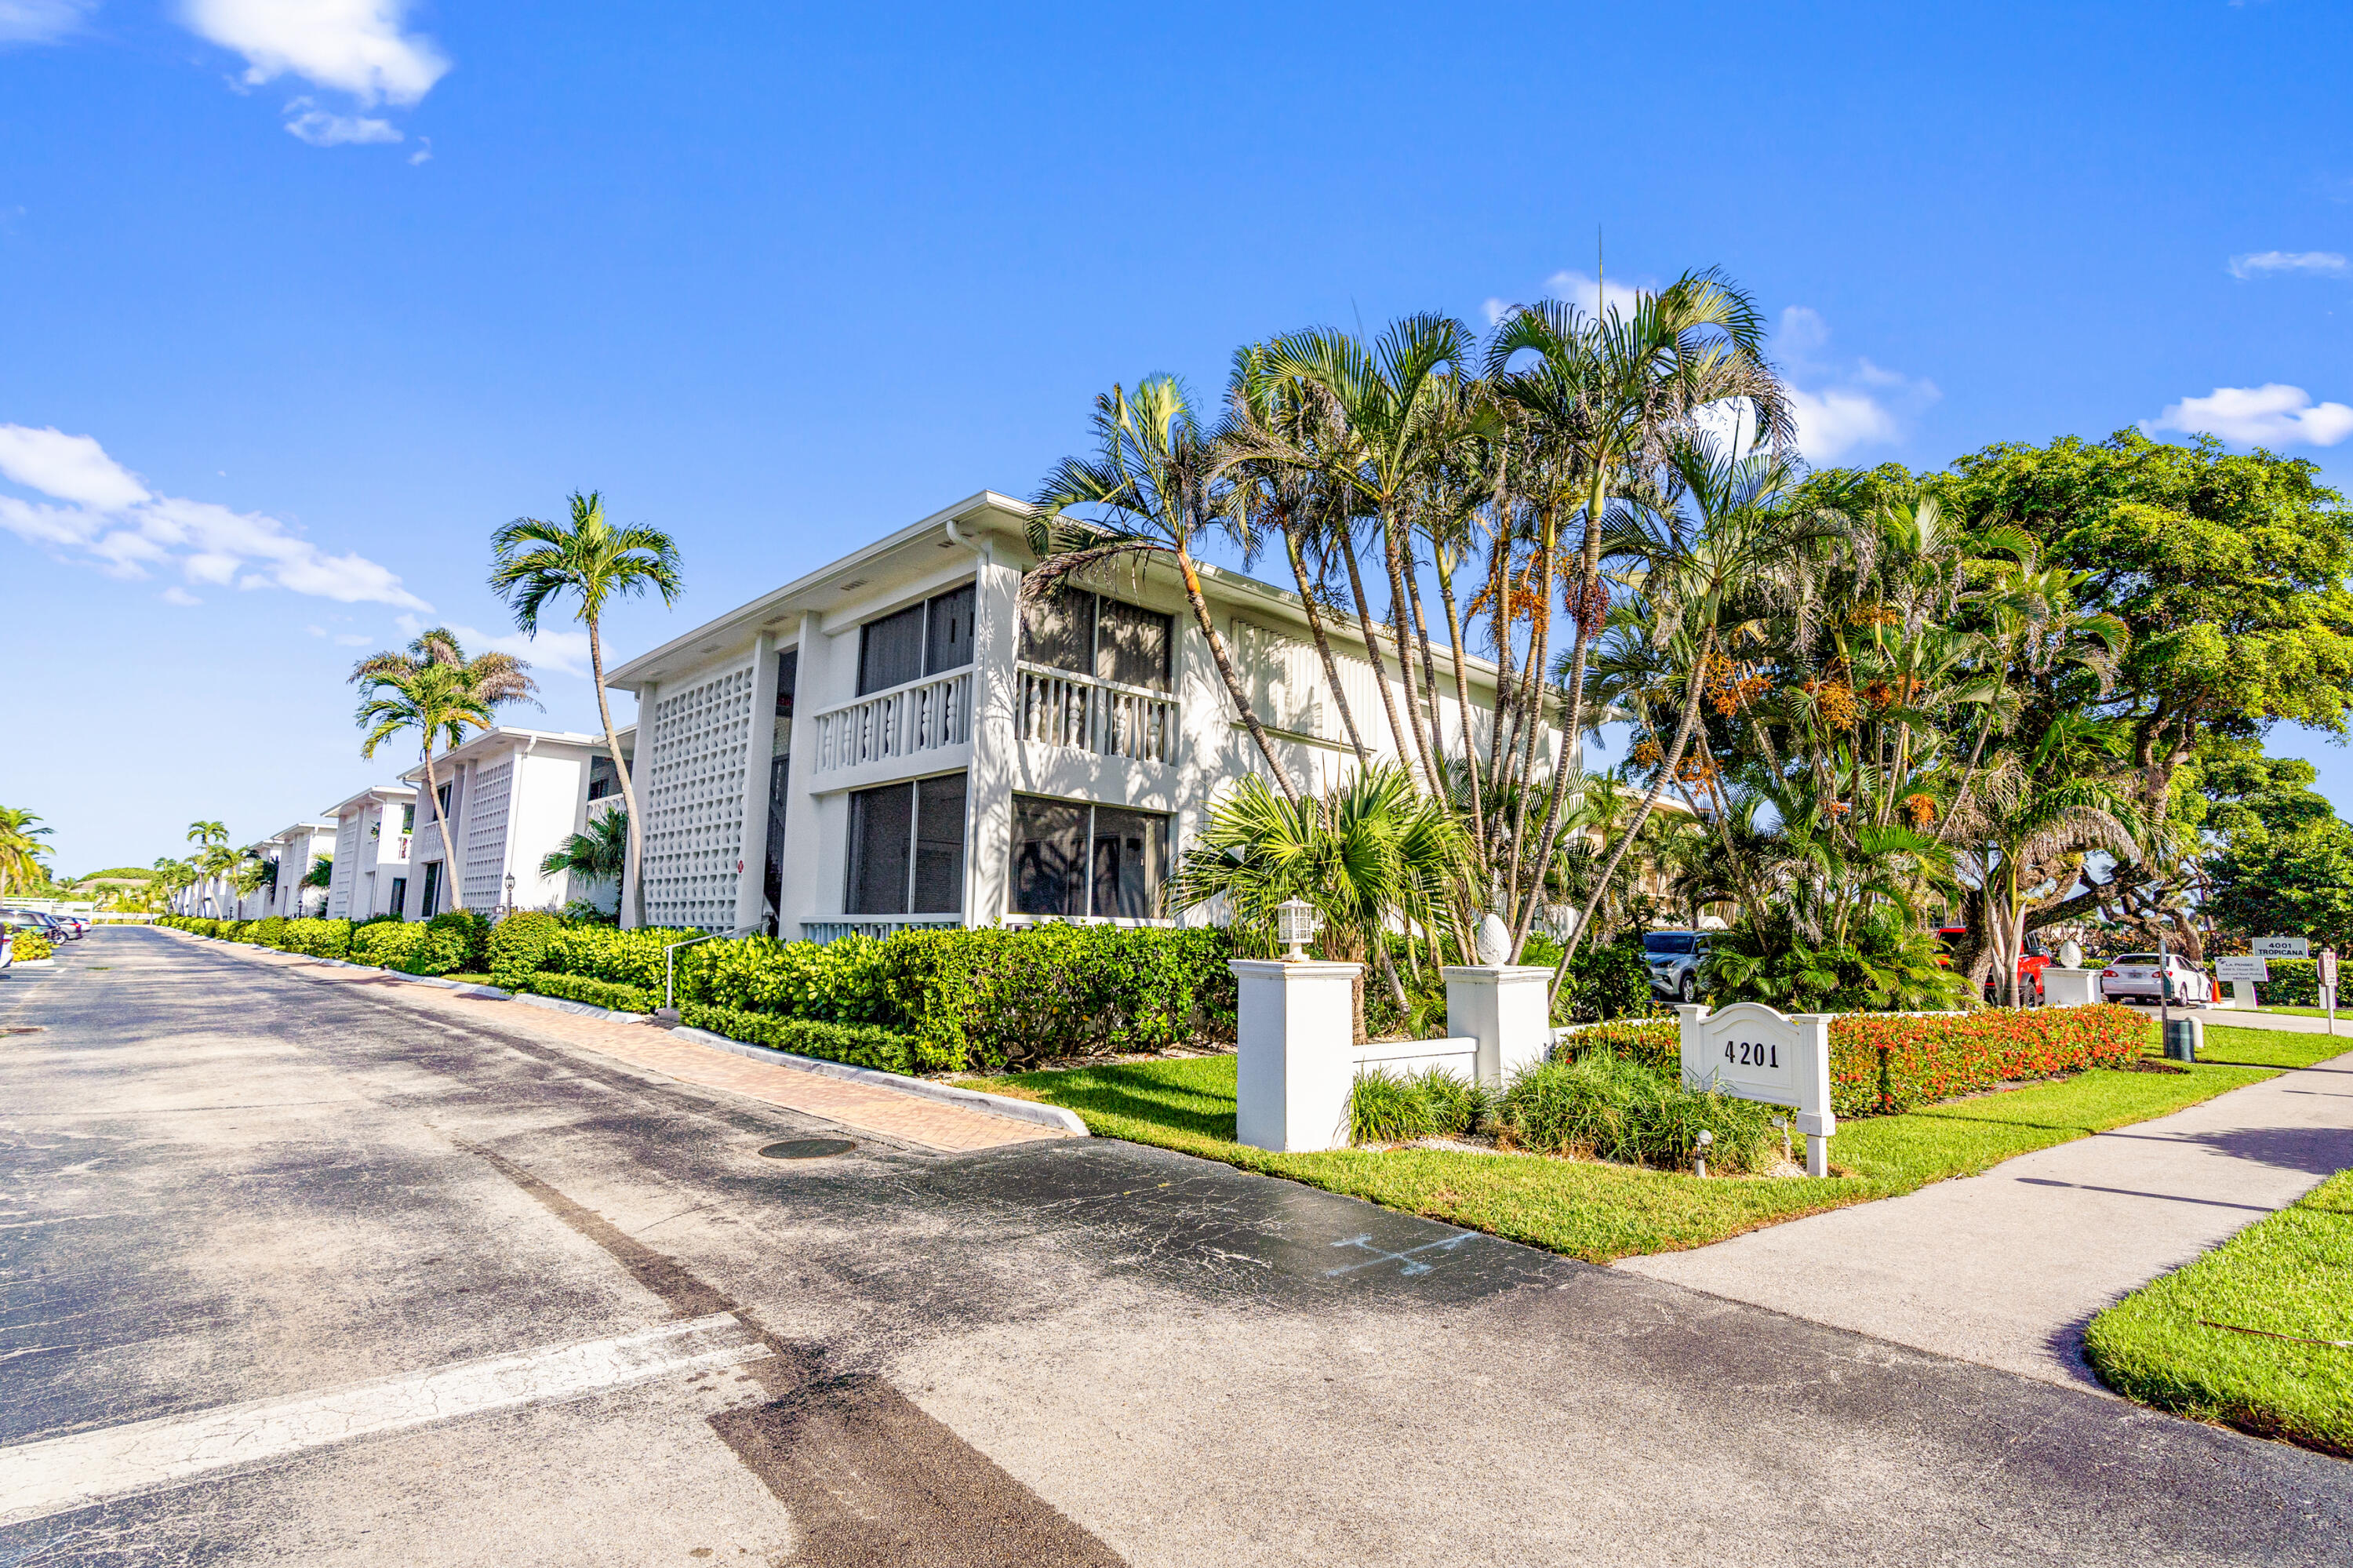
[
  {"x": 1668, "y": 942},
  {"x": 2137, "y": 959}
]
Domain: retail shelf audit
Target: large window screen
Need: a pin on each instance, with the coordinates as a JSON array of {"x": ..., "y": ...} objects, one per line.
[
  {"x": 1089, "y": 634},
  {"x": 906, "y": 848},
  {"x": 921, "y": 640},
  {"x": 1070, "y": 858}
]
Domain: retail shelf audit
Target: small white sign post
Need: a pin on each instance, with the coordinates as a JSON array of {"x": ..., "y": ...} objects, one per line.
[
  {"x": 2245, "y": 974},
  {"x": 1751, "y": 1052},
  {"x": 2281, "y": 948}
]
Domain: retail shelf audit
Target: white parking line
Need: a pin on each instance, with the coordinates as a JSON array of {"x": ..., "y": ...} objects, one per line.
[{"x": 70, "y": 1472}]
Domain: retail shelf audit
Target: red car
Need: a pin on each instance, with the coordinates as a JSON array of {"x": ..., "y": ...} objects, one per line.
[{"x": 2032, "y": 961}]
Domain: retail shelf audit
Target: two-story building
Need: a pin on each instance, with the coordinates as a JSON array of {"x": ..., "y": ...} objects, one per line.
[
  {"x": 898, "y": 739},
  {"x": 292, "y": 851},
  {"x": 512, "y": 797},
  {"x": 373, "y": 829}
]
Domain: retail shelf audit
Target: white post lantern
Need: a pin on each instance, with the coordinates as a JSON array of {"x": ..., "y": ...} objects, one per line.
[{"x": 1296, "y": 924}]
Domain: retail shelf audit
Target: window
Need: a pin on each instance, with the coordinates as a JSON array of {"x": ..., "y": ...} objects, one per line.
[
  {"x": 429, "y": 905},
  {"x": 1668, "y": 942},
  {"x": 1072, "y": 858},
  {"x": 906, "y": 848},
  {"x": 603, "y": 778},
  {"x": 1071, "y": 629},
  {"x": 921, "y": 640},
  {"x": 399, "y": 896},
  {"x": 441, "y": 797},
  {"x": 409, "y": 817}
]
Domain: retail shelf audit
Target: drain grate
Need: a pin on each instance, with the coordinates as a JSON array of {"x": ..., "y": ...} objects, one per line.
[
  {"x": 807, "y": 1149},
  {"x": 22, "y": 1028}
]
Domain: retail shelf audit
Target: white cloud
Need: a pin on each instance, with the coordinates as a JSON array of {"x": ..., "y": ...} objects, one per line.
[
  {"x": 352, "y": 639},
  {"x": 311, "y": 123},
  {"x": 424, "y": 153},
  {"x": 70, "y": 468},
  {"x": 353, "y": 46},
  {"x": 41, "y": 21},
  {"x": 117, "y": 525},
  {"x": 551, "y": 650},
  {"x": 177, "y": 595},
  {"x": 1832, "y": 423},
  {"x": 1591, "y": 297},
  {"x": 2317, "y": 263},
  {"x": 1842, "y": 407},
  {"x": 2270, "y": 415}
]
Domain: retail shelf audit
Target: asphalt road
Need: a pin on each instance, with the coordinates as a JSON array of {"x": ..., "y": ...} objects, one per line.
[{"x": 292, "y": 1272}]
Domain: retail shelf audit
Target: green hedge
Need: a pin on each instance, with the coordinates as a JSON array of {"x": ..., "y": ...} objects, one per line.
[
  {"x": 586, "y": 988},
  {"x": 470, "y": 932},
  {"x": 318, "y": 939},
  {"x": 1881, "y": 1064},
  {"x": 410, "y": 948},
  {"x": 518, "y": 947},
  {"x": 270, "y": 931},
  {"x": 2295, "y": 982},
  {"x": 986, "y": 998},
  {"x": 859, "y": 1044}
]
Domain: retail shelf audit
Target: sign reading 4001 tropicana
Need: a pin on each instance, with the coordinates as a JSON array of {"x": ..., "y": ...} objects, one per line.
[{"x": 1755, "y": 1053}]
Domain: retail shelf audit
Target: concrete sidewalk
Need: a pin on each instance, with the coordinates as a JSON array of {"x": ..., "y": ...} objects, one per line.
[{"x": 2006, "y": 1269}]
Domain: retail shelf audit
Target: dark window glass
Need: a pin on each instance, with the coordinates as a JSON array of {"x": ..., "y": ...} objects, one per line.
[
  {"x": 891, "y": 651},
  {"x": 788, "y": 677},
  {"x": 1131, "y": 645},
  {"x": 939, "y": 845},
  {"x": 408, "y": 818},
  {"x": 1130, "y": 857},
  {"x": 1059, "y": 629},
  {"x": 442, "y": 796},
  {"x": 882, "y": 833},
  {"x": 772, "y": 881},
  {"x": 400, "y": 896},
  {"x": 602, "y": 776},
  {"x": 432, "y": 901},
  {"x": 1050, "y": 850},
  {"x": 947, "y": 645}
]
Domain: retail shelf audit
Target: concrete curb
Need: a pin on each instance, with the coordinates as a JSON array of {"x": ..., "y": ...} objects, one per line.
[
  {"x": 1030, "y": 1111},
  {"x": 565, "y": 1004}
]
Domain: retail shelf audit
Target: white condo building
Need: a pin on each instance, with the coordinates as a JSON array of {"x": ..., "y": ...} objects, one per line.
[
  {"x": 372, "y": 837},
  {"x": 894, "y": 740},
  {"x": 511, "y": 795}
]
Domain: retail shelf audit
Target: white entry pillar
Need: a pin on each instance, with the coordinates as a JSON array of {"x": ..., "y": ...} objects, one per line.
[
  {"x": 1294, "y": 1070},
  {"x": 1507, "y": 1009},
  {"x": 2069, "y": 988}
]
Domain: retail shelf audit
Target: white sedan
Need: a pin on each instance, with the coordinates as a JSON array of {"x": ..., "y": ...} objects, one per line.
[{"x": 2136, "y": 976}]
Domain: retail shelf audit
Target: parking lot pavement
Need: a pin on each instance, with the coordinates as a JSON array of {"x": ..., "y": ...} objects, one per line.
[{"x": 239, "y": 1200}]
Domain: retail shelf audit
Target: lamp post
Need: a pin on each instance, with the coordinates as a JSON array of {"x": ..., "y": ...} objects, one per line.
[
  {"x": 508, "y": 908},
  {"x": 1296, "y": 922}
]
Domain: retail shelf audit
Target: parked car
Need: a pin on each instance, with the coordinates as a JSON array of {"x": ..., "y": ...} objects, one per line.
[
  {"x": 2136, "y": 976},
  {"x": 2033, "y": 959},
  {"x": 48, "y": 925},
  {"x": 1674, "y": 958},
  {"x": 7, "y": 946}
]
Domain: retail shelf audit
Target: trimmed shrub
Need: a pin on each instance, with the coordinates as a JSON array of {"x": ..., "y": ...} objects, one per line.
[
  {"x": 1387, "y": 1106},
  {"x": 1608, "y": 980},
  {"x": 471, "y": 932},
  {"x": 410, "y": 948},
  {"x": 1608, "y": 1107},
  {"x": 595, "y": 992},
  {"x": 270, "y": 931},
  {"x": 861, "y": 1045},
  {"x": 626, "y": 958},
  {"x": 31, "y": 947},
  {"x": 1884, "y": 1062},
  {"x": 318, "y": 939},
  {"x": 2295, "y": 982},
  {"x": 519, "y": 947}
]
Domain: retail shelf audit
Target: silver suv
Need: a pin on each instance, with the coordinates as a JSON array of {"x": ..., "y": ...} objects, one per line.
[{"x": 1674, "y": 958}]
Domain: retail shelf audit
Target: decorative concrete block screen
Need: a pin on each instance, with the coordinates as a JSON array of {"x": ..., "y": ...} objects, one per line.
[
  {"x": 485, "y": 842},
  {"x": 694, "y": 801},
  {"x": 346, "y": 872}
]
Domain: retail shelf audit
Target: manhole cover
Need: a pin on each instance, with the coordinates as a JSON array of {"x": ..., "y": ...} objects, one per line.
[
  {"x": 807, "y": 1149},
  {"x": 22, "y": 1028}
]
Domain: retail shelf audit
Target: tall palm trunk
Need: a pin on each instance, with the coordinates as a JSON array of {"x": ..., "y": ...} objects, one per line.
[
  {"x": 1572, "y": 726},
  {"x": 1323, "y": 642},
  {"x": 637, "y": 850},
  {"x": 1463, "y": 698},
  {"x": 1626, "y": 840},
  {"x": 1393, "y": 558},
  {"x": 441, "y": 820},
  {"x": 1366, "y": 624},
  {"x": 1226, "y": 672},
  {"x": 1530, "y": 719}
]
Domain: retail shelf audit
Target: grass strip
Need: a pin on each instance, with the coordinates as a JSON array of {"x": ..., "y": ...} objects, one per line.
[
  {"x": 1600, "y": 1213},
  {"x": 2290, "y": 1274}
]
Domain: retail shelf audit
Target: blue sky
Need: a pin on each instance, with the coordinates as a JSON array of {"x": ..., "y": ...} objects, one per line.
[{"x": 302, "y": 299}]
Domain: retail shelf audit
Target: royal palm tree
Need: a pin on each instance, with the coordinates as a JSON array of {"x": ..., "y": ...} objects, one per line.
[
  {"x": 592, "y": 562},
  {"x": 212, "y": 858},
  {"x": 1147, "y": 487},
  {"x": 433, "y": 688},
  {"x": 21, "y": 851}
]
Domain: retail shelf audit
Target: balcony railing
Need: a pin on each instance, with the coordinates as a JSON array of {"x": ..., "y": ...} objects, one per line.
[
  {"x": 1060, "y": 708},
  {"x": 922, "y": 716},
  {"x": 834, "y": 927}
]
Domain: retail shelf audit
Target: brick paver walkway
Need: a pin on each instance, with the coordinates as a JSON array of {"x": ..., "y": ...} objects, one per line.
[{"x": 860, "y": 1108}]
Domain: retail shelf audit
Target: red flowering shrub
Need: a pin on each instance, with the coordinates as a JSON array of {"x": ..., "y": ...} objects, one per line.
[{"x": 1884, "y": 1062}]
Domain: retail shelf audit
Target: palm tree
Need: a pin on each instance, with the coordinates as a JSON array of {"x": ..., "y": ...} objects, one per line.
[
  {"x": 594, "y": 562},
  {"x": 20, "y": 854},
  {"x": 600, "y": 854},
  {"x": 212, "y": 859},
  {"x": 434, "y": 689},
  {"x": 1150, "y": 480},
  {"x": 254, "y": 874}
]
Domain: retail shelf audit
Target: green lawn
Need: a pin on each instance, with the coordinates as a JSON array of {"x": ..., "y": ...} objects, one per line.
[
  {"x": 2289, "y": 1274},
  {"x": 1601, "y": 1212},
  {"x": 2273, "y": 1047}
]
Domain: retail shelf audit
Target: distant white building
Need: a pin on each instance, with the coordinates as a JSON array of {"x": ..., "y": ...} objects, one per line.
[
  {"x": 372, "y": 839},
  {"x": 894, "y": 741},
  {"x": 512, "y": 797},
  {"x": 293, "y": 849}
]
